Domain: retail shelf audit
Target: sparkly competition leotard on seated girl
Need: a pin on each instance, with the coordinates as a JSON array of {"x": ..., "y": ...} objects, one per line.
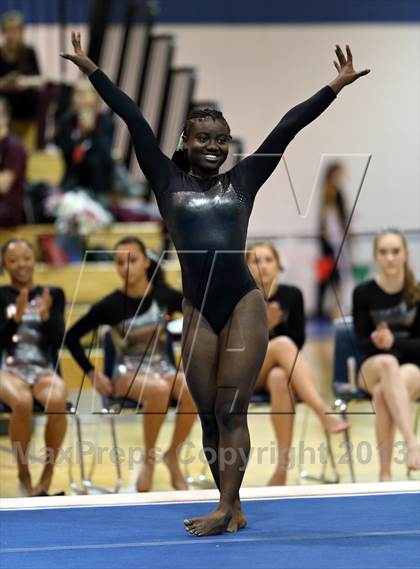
[
  {"x": 29, "y": 349},
  {"x": 207, "y": 218},
  {"x": 138, "y": 330}
]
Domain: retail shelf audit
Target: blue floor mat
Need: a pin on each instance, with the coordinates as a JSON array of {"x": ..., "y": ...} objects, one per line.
[{"x": 372, "y": 531}]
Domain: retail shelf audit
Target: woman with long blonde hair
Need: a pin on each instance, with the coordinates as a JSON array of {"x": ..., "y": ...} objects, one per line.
[{"x": 386, "y": 313}]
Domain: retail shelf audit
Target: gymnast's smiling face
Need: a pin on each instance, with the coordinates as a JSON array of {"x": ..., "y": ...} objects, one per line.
[
  {"x": 19, "y": 262},
  {"x": 207, "y": 145}
]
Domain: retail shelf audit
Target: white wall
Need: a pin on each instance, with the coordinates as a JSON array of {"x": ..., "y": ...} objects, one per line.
[{"x": 258, "y": 72}]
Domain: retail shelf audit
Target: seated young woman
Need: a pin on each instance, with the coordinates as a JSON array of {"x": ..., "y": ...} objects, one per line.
[
  {"x": 285, "y": 372},
  {"x": 386, "y": 314},
  {"x": 137, "y": 313},
  {"x": 31, "y": 332}
]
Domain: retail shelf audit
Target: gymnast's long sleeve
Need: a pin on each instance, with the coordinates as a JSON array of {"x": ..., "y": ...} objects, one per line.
[
  {"x": 156, "y": 166},
  {"x": 255, "y": 169}
]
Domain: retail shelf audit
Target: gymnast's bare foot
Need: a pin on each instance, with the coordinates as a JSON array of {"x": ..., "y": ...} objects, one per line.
[
  {"x": 145, "y": 476},
  {"x": 334, "y": 424},
  {"x": 214, "y": 523},
  {"x": 238, "y": 520},
  {"x": 413, "y": 457},
  {"x": 385, "y": 477},
  {"x": 45, "y": 479},
  {"x": 25, "y": 483},
  {"x": 177, "y": 479},
  {"x": 278, "y": 477}
]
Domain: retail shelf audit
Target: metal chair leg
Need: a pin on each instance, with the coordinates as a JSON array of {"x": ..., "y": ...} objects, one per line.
[
  {"x": 349, "y": 448},
  {"x": 322, "y": 477},
  {"x": 331, "y": 456},
  {"x": 86, "y": 485},
  {"x": 118, "y": 478},
  {"x": 87, "y": 482},
  {"x": 75, "y": 487},
  {"x": 201, "y": 481},
  {"x": 342, "y": 407}
]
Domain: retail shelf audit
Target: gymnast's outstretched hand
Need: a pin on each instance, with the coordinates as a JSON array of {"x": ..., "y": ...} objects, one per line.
[
  {"x": 346, "y": 72},
  {"x": 83, "y": 62}
]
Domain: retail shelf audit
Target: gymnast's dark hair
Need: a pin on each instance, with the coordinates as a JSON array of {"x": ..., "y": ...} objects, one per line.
[
  {"x": 10, "y": 242},
  {"x": 180, "y": 156},
  {"x": 154, "y": 272}
]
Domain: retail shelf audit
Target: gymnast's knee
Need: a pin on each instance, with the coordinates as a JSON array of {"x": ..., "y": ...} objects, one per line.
[
  {"x": 229, "y": 419},
  {"x": 388, "y": 363},
  {"x": 283, "y": 343},
  {"x": 23, "y": 404},
  {"x": 209, "y": 424},
  {"x": 277, "y": 380}
]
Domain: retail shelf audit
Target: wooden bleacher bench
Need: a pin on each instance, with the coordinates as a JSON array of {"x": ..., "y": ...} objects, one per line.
[
  {"x": 105, "y": 238},
  {"x": 86, "y": 283},
  {"x": 45, "y": 167},
  {"x": 82, "y": 289}
]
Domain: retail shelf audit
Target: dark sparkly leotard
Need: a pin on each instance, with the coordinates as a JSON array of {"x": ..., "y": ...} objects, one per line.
[{"x": 207, "y": 218}]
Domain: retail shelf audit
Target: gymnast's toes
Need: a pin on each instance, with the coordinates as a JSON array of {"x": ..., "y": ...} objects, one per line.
[
  {"x": 190, "y": 522},
  {"x": 213, "y": 524}
]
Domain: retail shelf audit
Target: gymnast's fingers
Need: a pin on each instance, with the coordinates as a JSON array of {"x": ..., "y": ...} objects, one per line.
[{"x": 340, "y": 55}]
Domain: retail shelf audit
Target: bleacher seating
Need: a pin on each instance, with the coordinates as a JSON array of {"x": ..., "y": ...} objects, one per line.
[
  {"x": 84, "y": 287},
  {"x": 105, "y": 238}
]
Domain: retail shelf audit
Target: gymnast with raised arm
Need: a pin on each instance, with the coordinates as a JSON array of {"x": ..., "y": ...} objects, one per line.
[{"x": 225, "y": 331}]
